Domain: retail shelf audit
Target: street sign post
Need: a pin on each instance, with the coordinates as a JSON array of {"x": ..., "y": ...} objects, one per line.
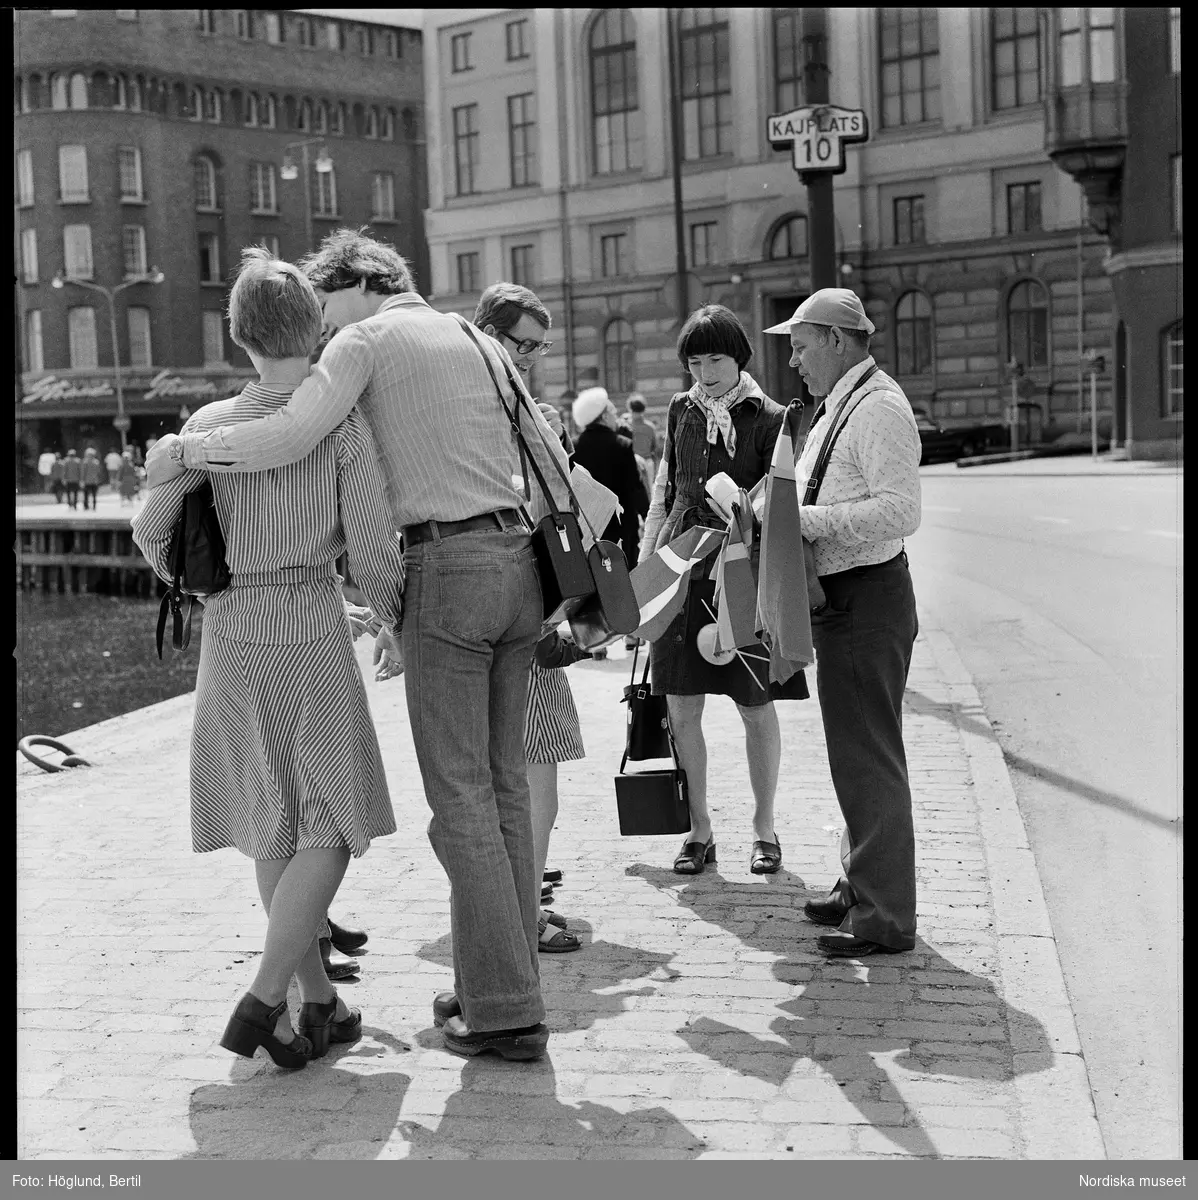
[{"x": 817, "y": 135}]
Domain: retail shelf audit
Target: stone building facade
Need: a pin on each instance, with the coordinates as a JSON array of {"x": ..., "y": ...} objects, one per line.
[{"x": 550, "y": 161}]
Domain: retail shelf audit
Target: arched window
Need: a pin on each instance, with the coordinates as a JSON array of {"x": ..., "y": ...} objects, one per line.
[
  {"x": 266, "y": 112},
  {"x": 706, "y": 71},
  {"x": 58, "y": 91},
  {"x": 195, "y": 104},
  {"x": 303, "y": 120},
  {"x": 326, "y": 193},
  {"x": 409, "y": 124},
  {"x": 135, "y": 92},
  {"x": 1027, "y": 324},
  {"x": 213, "y": 106},
  {"x": 78, "y": 90},
  {"x": 1172, "y": 394},
  {"x": 615, "y": 105},
  {"x": 387, "y": 130},
  {"x": 205, "y": 184},
  {"x": 372, "y": 122},
  {"x": 789, "y": 239},
  {"x": 322, "y": 117},
  {"x": 913, "y": 334},
  {"x": 120, "y": 92},
  {"x": 619, "y": 357},
  {"x": 338, "y": 122},
  {"x": 251, "y": 108}
]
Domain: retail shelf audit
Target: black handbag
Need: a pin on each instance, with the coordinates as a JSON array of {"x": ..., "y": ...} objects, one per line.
[
  {"x": 648, "y": 725},
  {"x": 653, "y": 802},
  {"x": 571, "y": 579},
  {"x": 611, "y": 610},
  {"x": 197, "y": 564}
]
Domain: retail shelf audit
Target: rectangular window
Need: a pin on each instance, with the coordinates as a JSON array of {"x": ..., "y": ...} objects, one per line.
[
  {"x": 29, "y": 255},
  {"x": 908, "y": 221},
  {"x": 706, "y": 82},
  {"x": 129, "y": 171},
  {"x": 522, "y": 265},
  {"x": 465, "y": 147},
  {"x": 213, "y": 329},
  {"x": 1174, "y": 397},
  {"x": 389, "y": 43},
  {"x": 1015, "y": 50},
  {"x": 25, "y": 178},
  {"x": 611, "y": 254},
  {"x": 522, "y": 139},
  {"x": 517, "y": 33},
  {"x": 138, "y": 320},
  {"x": 910, "y": 65},
  {"x": 274, "y": 28},
  {"x": 72, "y": 175},
  {"x": 1103, "y": 64},
  {"x": 81, "y": 332},
  {"x": 788, "y": 59},
  {"x": 1023, "y": 208},
  {"x": 242, "y": 24},
  {"x": 703, "y": 243},
  {"x": 326, "y": 193},
  {"x": 382, "y": 196},
  {"x": 271, "y": 242},
  {"x": 1175, "y": 162},
  {"x": 209, "y": 258},
  {"x": 133, "y": 250},
  {"x": 263, "y": 198},
  {"x": 334, "y": 35},
  {"x": 1175, "y": 40},
  {"x": 35, "y": 358},
  {"x": 459, "y": 46},
  {"x": 77, "y": 251},
  {"x": 207, "y": 20},
  {"x": 468, "y": 272},
  {"x": 364, "y": 46}
]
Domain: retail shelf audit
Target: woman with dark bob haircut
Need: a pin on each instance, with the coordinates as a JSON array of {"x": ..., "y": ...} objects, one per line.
[{"x": 724, "y": 423}]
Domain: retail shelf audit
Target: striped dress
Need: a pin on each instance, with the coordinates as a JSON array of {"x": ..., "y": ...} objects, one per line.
[
  {"x": 552, "y": 733},
  {"x": 284, "y": 755}
]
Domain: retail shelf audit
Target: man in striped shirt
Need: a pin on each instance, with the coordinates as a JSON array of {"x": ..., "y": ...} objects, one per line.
[
  {"x": 865, "y": 632},
  {"x": 472, "y": 599}
]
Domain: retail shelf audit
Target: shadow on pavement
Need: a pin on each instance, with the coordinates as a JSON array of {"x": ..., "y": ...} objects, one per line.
[
  {"x": 972, "y": 1032},
  {"x": 925, "y": 706},
  {"x": 321, "y": 1111}
]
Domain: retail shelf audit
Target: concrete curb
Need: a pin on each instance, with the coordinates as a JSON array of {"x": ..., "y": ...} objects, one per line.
[{"x": 1057, "y": 1111}]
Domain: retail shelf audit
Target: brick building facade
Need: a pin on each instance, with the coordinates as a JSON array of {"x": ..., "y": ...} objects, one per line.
[{"x": 165, "y": 139}]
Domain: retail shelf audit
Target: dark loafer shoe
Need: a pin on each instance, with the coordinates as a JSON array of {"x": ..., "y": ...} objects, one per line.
[
  {"x": 515, "y": 1044},
  {"x": 766, "y": 857},
  {"x": 347, "y": 940},
  {"x": 824, "y": 912},
  {"x": 445, "y": 1005},
  {"x": 694, "y": 856},
  {"x": 552, "y": 875},
  {"x": 336, "y": 965},
  {"x": 845, "y": 945}
]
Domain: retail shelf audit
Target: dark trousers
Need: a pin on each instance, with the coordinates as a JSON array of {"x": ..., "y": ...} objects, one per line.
[
  {"x": 89, "y": 494},
  {"x": 73, "y": 495},
  {"x": 863, "y": 642}
]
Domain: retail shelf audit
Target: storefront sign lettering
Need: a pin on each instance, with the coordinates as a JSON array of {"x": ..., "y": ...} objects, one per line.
[
  {"x": 166, "y": 384},
  {"x": 53, "y": 388}
]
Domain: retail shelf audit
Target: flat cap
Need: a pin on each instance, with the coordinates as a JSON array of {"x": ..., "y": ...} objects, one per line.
[{"x": 829, "y": 306}]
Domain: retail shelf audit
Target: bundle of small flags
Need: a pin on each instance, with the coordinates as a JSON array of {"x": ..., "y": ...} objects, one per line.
[{"x": 660, "y": 582}]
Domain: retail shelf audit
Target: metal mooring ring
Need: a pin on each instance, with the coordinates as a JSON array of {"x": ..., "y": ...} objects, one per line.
[{"x": 72, "y": 759}]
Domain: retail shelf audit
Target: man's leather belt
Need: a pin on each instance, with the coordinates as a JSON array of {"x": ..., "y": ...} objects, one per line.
[{"x": 427, "y": 531}]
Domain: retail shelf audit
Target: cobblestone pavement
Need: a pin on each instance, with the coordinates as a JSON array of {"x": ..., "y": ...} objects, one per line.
[{"x": 698, "y": 1020}]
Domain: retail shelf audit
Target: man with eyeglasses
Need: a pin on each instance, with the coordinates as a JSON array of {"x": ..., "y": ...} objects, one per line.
[{"x": 516, "y": 318}]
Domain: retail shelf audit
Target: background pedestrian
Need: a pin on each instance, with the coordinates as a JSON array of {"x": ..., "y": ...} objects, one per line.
[
  {"x": 72, "y": 476},
  {"x": 93, "y": 475}
]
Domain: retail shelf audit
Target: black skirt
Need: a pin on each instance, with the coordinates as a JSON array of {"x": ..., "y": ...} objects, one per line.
[{"x": 678, "y": 669}]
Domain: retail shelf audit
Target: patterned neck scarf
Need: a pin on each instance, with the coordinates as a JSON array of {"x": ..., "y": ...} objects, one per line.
[{"x": 718, "y": 409}]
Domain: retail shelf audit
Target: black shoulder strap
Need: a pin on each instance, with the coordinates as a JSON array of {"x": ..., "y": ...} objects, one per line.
[
  {"x": 668, "y": 448},
  {"x": 838, "y": 421}
]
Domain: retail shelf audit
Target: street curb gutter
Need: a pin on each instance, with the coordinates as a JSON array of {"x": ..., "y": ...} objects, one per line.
[{"x": 1056, "y": 1104}]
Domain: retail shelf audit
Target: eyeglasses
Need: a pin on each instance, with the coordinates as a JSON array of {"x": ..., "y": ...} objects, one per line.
[{"x": 528, "y": 345}]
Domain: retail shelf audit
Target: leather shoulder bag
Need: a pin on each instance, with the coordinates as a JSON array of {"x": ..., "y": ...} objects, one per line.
[{"x": 197, "y": 562}]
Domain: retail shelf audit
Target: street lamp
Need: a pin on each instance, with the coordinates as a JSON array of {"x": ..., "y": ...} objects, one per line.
[
  {"x": 153, "y": 275},
  {"x": 324, "y": 164}
]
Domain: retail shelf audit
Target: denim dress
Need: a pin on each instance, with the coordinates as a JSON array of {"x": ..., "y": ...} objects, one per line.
[{"x": 677, "y": 668}]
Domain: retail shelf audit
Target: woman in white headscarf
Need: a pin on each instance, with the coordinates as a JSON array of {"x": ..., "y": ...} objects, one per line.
[{"x": 724, "y": 423}]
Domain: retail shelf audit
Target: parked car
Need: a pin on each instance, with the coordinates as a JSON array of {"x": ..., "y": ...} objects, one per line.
[{"x": 953, "y": 442}]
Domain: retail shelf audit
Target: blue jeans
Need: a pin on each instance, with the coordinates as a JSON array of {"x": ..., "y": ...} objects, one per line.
[{"x": 472, "y": 615}]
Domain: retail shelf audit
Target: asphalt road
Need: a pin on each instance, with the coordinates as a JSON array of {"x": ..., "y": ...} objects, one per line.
[{"x": 1063, "y": 596}]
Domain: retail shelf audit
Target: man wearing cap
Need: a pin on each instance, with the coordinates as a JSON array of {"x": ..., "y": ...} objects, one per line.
[{"x": 864, "y": 633}]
